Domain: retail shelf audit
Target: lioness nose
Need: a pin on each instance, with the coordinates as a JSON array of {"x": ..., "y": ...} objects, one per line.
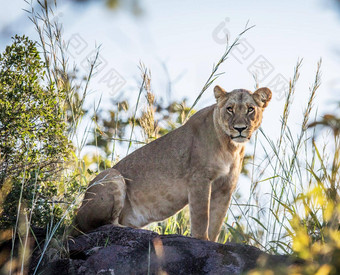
[{"x": 240, "y": 128}]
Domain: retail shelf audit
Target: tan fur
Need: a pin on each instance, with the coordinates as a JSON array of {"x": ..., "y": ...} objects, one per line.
[{"x": 199, "y": 163}]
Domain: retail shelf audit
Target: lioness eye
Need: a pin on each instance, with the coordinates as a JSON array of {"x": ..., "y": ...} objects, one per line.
[
  {"x": 250, "y": 109},
  {"x": 230, "y": 109}
]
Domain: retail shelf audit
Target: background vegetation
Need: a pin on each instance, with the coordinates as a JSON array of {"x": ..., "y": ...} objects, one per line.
[{"x": 43, "y": 174}]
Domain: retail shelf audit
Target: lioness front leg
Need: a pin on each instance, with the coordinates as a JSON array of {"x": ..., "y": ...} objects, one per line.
[
  {"x": 219, "y": 203},
  {"x": 199, "y": 198}
]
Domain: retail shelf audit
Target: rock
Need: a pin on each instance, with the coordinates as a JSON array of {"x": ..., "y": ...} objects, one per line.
[{"x": 122, "y": 250}]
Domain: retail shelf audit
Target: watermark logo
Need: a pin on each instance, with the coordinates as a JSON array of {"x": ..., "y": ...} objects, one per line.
[
  {"x": 243, "y": 51},
  {"x": 100, "y": 62},
  {"x": 280, "y": 85},
  {"x": 56, "y": 18},
  {"x": 77, "y": 45},
  {"x": 78, "y": 48},
  {"x": 257, "y": 64},
  {"x": 261, "y": 68},
  {"x": 221, "y": 33},
  {"x": 113, "y": 80}
]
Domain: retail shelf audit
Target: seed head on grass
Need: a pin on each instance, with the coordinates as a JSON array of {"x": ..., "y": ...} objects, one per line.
[{"x": 147, "y": 120}]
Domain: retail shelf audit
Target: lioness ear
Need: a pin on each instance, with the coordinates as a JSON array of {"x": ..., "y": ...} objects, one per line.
[
  {"x": 219, "y": 93},
  {"x": 262, "y": 97}
]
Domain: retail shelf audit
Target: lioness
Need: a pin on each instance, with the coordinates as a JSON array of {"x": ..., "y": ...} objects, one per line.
[{"x": 199, "y": 163}]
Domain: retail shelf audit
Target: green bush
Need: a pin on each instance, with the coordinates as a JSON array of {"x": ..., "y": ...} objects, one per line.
[{"x": 34, "y": 144}]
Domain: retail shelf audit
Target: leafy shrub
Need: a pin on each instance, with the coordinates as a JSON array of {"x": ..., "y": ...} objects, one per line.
[{"x": 34, "y": 143}]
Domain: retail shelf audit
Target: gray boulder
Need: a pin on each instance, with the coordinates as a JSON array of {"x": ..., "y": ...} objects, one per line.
[{"x": 122, "y": 250}]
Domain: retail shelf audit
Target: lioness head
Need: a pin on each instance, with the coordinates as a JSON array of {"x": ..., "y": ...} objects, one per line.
[{"x": 239, "y": 113}]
